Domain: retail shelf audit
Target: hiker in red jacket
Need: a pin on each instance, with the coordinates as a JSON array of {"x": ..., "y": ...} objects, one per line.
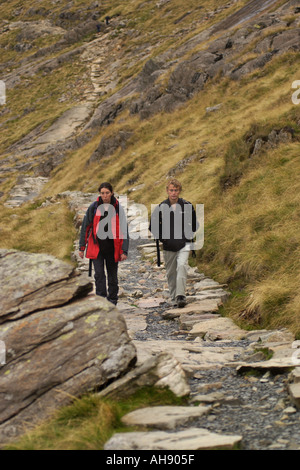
[{"x": 104, "y": 235}]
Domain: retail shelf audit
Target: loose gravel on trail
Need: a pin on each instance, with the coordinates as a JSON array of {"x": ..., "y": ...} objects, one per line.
[{"x": 254, "y": 406}]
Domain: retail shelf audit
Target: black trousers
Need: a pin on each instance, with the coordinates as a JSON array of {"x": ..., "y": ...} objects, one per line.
[{"x": 111, "y": 290}]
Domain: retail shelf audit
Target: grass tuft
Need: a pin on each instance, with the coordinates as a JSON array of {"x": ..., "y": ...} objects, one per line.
[{"x": 90, "y": 421}]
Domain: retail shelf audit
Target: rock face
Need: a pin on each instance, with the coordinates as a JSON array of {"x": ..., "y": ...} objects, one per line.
[
  {"x": 58, "y": 343},
  {"x": 162, "y": 371},
  {"x": 109, "y": 145},
  {"x": 32, "y": 282},
  {"x": 220, "y": 57},
  {"x": 26, "y": 189}
]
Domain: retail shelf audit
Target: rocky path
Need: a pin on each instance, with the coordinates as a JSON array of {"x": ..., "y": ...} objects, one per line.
[{"x": 237, "y": 397}]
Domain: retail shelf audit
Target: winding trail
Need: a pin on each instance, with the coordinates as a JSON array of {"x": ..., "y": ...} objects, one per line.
[{"x": 258, "y": 411}]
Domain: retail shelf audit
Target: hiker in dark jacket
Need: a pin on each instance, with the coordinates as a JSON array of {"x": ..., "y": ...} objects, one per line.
[
  {"x": 104, "y": 235},
  {"x": 174, "y": 223}
]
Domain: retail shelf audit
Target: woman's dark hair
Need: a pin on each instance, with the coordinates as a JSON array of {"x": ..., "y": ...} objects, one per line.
[{"x": 107, "y": 186}]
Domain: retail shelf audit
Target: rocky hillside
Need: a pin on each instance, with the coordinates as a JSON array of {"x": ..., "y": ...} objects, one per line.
[{"x": 134, "y": 92}]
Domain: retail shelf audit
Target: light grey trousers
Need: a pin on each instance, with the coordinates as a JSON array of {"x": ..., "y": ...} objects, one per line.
[{"x": 176, "y": 263}]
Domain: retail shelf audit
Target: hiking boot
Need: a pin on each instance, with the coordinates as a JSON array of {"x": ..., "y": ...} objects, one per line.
[{"x": 181, "y": 302}]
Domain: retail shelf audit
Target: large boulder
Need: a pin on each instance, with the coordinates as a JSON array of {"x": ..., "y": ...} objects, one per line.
[
  {"x": 31, "y": 282},
  {"x": 59, "y": 342},
  {"x": 162, "y": 370}
]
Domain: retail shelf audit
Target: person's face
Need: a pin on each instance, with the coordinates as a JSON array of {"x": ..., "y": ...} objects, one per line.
[
  {"x": 173, "y": 193},
  {"x": 105, "y": 195}
]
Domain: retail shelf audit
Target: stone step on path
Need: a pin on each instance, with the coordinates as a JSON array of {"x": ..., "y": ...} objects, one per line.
[
  {"x": 204, "y": 341},
  {"x": 103, "y": 71},
  {"x": 215, "y": 348},
  {"x": 26, "y": 189},
  {"x": 189, "y": 439},
  {"x": 251, "y": 412}
]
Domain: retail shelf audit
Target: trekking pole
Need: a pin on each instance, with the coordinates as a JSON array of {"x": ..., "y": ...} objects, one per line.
[{"x": 158, "y": 252}]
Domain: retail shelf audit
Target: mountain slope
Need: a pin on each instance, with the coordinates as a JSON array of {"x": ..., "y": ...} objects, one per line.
[{"x": 202, "y": 92}]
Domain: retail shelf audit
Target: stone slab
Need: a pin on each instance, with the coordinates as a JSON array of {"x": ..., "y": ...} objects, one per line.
[
  {"x": 276, "y": 366},
  {"x": 162, "y": 371},
  {"x": 151, "y": 303},
  {"x": 206, "y": 306},
  {"x": 164, "y": 417},
  {"x": 31, "y": 282},
  {"x": 219, "y": 329},
  {"x": 294, "y": 391},
  {"x": 296, "y": 375},
  {"x": 187, "y": 322},
  {"x": 189, "y": 439},
  {"x": 191, "y": 355}
]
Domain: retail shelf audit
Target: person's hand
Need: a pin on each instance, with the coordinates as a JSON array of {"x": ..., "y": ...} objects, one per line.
[
  {"x": 123, "y": 257},
  {"x": 81, "y": 254}
]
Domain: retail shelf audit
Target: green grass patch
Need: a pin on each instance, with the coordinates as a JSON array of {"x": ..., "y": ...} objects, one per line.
[
  {"x": 37, "y": 102},
  {"x": 39, "y": 229},
  {"x": 90, "y": 421}
]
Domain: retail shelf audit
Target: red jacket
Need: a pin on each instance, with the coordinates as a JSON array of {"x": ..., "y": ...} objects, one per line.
[{"x": 90, "y": 227}]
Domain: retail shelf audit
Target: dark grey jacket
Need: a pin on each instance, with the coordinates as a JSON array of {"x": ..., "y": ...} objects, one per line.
[{"x": 174, "y": 228}]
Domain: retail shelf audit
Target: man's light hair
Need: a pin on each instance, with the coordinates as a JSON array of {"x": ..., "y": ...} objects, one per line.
[{"x": 175, "y": 183}]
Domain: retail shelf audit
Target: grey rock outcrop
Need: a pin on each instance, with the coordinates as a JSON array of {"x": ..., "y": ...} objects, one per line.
[
  {"x": 190, "y": 76},
  {"x": 26, "y": 189},
  {"x": 32, "y": 282},
  {"x": 60, "y": 343},
  {"x": 162, "y": 371},
  {"x": 109, "y": 145}
]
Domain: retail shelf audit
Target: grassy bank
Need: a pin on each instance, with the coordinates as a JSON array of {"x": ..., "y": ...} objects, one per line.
[
  {"x": 39, "y": 228},
  {"x": 90, "y": 421}
]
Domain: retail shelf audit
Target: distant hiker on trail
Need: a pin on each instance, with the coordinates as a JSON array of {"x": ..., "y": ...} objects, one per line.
[
  {"x": 104, "y": 230},
  {"x": 174, "y": 223}
]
